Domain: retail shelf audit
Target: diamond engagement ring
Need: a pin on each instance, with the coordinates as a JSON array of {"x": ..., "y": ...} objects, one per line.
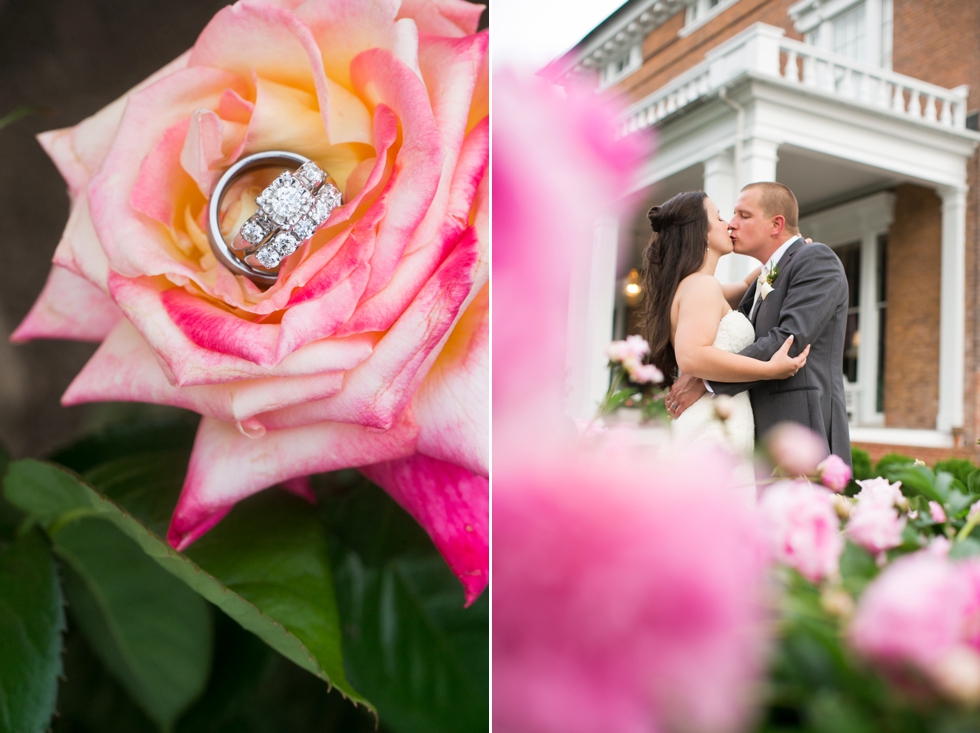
[{"x": 291, "y": 209}]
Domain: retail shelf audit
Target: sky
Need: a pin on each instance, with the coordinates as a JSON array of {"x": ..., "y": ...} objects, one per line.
[{"x": 527, "y": 34}]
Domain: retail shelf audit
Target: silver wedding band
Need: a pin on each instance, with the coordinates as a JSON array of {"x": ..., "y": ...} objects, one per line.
[{"x": 270, "y": 235}]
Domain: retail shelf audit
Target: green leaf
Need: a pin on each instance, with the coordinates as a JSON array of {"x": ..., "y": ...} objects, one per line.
[
  {"x": 23, "y": 111},
  {"x": 968, "y": 547},
  {"x": 959, "y": 503},
  {"x": 173, "y": 433},
  {"x": 265, "y": 565},
  {"x": 32, "y": 618},
  {"x": 618, "y": 399},
  {"x": 413, "y": 648},
  {"x": 409, "y": 644},
  {"x": 920, "y": 480},
  {"x": 149, "y": 629}
]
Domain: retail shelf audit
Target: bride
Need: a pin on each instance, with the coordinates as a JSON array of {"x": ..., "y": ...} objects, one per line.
[{"x": 690, "y": 321}]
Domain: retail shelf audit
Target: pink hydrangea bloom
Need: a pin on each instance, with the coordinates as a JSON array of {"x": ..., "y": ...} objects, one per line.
[
  {"x": 834, "y": 473},
  {"x": 625, "y": 606},
  {"x": 937, "y": 512},
  {"x": 795, "y": 449},
  {"x": 803, "y": 529}
]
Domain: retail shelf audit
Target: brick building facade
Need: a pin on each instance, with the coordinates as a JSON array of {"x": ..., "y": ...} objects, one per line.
[{"x": 867, "y": 110}]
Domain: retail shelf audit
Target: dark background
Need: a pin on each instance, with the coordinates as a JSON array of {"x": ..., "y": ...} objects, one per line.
[{"x": 71, "y": 57}]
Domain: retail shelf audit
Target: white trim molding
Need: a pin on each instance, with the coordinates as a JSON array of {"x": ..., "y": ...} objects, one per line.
[
  {"x": 952, "y": 309},
  {"x": 902, "y": 436}
]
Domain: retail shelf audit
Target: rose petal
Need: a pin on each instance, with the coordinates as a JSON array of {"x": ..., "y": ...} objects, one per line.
[
  {"x": 190, "y": 364},
  {"x": 78, "y": 151},
  {"x": 226, "y": 466},
  {"x": 452, "y": 405},
  {"x": 451, "y": 504},
  {"x": 69, "y": 307},
  {"x": 380, "y": 77},
  {"x": 125, "y": 369},
  {"x": 377, "y": 390},
  {"x": 133, "y": 245},
  {"x": 79, "y": 249},
  {"x": 450, "y": 18},
  {"x": 378, "y": 312}
]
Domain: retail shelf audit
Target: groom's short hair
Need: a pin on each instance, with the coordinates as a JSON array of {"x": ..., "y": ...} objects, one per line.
[{"x": 777, "y": 200}]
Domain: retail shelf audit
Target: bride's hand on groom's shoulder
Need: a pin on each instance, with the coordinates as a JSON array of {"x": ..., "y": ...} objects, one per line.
[{"x": 685, "y": 392}]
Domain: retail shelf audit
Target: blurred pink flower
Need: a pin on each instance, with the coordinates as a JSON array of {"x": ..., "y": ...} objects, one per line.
[
  {"x": 796, "y": 450},
  {"x": 628, "y": 592},
  {"x": 625, "y": 606},
  {"x": 557, "y": 168},
  {"x": 880, "y": 490},
  {"x": 937, "y": 512},
  {"x": 637, "y": 346},
  {"x": 912, "y": 613},
  {"x": 801, "y": 523},
  {"x": 920, "y": 615},
  {"x": 645, "y": 373},
  {"x": 875, "y": 526},
  {"x": 834, "y": 473}
]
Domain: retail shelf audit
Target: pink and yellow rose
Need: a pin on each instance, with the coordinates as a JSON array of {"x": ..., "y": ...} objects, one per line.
[{"x": 371, "y": 349}]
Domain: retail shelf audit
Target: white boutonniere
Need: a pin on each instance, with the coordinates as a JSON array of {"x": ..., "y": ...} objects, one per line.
[{"x": 766, "y": 280}]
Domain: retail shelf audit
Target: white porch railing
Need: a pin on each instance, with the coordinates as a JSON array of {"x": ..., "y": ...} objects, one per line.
[{"x": 762, "y": 50}]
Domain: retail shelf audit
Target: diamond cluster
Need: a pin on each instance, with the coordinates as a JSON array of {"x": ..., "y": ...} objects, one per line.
[{"x": 291, "y": 209}]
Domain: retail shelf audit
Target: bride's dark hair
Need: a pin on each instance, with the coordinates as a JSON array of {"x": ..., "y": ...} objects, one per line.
[{"x": 676, "y": 249}]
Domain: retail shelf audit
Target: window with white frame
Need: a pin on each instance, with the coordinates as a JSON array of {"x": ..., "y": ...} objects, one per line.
[
  {"x": 858, "y": 29},
  {"x": 700, "y": 12},
  {"x": 848, "y": 33},
  {"x": 622, "y": 66}
]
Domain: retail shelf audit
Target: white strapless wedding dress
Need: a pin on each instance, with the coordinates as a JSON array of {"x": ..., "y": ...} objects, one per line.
[{"x": 700, "y": 423}]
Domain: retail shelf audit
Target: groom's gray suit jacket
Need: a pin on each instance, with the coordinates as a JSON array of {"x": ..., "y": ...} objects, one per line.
[{"x": 809, "y": 300}]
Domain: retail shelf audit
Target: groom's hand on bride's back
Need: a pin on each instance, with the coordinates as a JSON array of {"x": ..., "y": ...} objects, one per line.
[{"x": 685, "y": 392}]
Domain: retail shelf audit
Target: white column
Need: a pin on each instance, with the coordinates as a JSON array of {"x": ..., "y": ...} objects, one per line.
[
  {"x": 952, "y": 310},
  {"x": 590, "y": 322},
  {"x": 868, "y": 328},
  {"x": 759, "y": 158}
]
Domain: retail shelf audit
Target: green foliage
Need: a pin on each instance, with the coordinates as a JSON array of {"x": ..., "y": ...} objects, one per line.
[
  {"x": 293, "y": 609},
  {"x": 409, "y": 644},
  {"x": 31, "y": 621},
  {"x": 861, "y": 464},
  {"x": 139, "y": 654},
  {"x": 960, "y": 468},
  {"x": 892, "y": 462},
  {"x": 149, "y": 629}
]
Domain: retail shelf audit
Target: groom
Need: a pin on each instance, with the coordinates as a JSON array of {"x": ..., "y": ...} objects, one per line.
[{"x": 802, "y": 291}]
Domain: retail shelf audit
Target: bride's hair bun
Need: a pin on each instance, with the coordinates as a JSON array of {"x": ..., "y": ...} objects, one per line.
[{"x": 656, "y": 220}]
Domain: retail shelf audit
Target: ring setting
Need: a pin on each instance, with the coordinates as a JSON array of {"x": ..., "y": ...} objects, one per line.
[{"x": 291, "y": 209}]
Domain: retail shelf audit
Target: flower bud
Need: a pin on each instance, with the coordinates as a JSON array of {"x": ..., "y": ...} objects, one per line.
[
  {"x": 957, "y": 675},
  {"x": 843, "y": 505},
  {"x": 837, "y": 602}
]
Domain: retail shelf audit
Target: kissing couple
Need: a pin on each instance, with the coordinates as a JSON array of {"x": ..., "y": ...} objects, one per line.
[{"x": 774, "y": 343}]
